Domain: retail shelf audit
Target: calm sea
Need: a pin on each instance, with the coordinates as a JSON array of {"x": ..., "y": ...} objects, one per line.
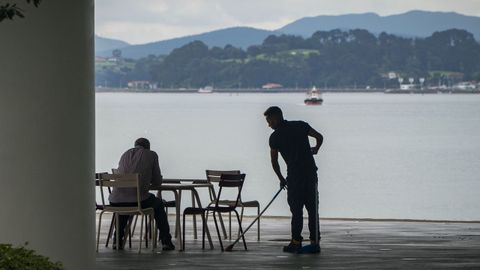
[{"x": 384, "y": 156}]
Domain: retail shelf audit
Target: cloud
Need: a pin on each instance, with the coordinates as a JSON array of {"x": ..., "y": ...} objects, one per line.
[{"x": 142, "y": 21}]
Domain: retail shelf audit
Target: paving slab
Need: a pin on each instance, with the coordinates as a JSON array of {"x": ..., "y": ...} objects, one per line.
[{"x": 346, "y": 244}]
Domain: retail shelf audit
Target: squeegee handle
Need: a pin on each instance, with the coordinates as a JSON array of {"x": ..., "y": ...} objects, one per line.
[{"x": 261, "y": 213}]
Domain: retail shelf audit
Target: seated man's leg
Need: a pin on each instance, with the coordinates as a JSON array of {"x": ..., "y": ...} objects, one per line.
[
  {"x": 122, "y": 220},
  {"x": 160, "y": 218}
]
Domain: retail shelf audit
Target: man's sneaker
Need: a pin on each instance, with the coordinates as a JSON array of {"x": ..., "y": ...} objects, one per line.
[
  {"x": 293, "y": 247},
  {"x": 310, "y": 249},
  {"x": 168, "y": 245}
]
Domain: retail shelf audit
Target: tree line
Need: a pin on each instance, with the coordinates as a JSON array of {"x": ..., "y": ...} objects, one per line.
[{"x": 354, "y": 58}]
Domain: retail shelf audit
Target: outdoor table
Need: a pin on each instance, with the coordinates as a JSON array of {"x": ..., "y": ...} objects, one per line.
[{"x": 177, "y": 186}]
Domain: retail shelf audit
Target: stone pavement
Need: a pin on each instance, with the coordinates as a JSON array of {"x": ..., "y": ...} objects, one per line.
[{"x": 346, "y": 244}]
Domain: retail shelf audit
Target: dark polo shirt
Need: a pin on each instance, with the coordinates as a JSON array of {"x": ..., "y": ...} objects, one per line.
[{"x": 291, "y": 140}]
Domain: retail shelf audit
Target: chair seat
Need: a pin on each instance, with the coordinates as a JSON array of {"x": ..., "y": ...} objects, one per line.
[
  {"x": 223, "y": 202},
  {"x": 220, "y": 208},
  {"x": 169, "y": 203},
  {"x": 240, "y": 204},
  {"x": 127, "y": 210},
  {"x": 193, "y": 211},
  {"x": 249, "y": 204}
]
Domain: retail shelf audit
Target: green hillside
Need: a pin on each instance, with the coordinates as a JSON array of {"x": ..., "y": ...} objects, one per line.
[{"x": 354, "y": 58}]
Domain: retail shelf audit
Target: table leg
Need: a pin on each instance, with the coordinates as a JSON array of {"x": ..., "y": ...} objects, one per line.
[
  {"x": 195, "y": 193},
  {"x": 212, "y": 191},
  {"x": 194, "y": 218},
  {"x": 178, "y": 200}
]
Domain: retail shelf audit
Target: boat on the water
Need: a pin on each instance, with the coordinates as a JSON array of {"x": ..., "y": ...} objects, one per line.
[
  {"x": 314, "y": 97},
  {"x": 206, "y": 89}
]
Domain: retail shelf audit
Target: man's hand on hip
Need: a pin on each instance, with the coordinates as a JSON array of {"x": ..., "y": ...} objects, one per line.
[{"x": 283, "y": 183}]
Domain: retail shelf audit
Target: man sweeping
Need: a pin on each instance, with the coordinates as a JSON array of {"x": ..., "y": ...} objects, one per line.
[{"x": 290, "y": 138}]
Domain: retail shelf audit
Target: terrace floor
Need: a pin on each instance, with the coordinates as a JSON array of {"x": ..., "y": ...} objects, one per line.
[{"x": 346, "y": 244}]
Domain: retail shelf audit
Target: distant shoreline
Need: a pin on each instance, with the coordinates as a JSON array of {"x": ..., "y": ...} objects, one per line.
[{"x": 284, "y": 90}]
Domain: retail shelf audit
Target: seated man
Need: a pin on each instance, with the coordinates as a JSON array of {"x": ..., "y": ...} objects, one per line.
[{"x": 143, "y": 161}]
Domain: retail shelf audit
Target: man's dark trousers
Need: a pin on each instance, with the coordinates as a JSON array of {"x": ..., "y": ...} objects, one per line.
[
  {"x": 160, "y": 217},
  {"x": 302, "y": 191}
]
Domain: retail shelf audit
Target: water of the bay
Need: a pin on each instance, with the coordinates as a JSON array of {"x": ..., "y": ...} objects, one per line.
[{"x": 384, "y": 156}]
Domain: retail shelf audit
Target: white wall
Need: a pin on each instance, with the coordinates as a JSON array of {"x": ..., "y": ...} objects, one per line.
[{"x": 47, "y": 131}]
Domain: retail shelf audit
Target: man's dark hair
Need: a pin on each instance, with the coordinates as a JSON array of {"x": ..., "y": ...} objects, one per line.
[
  {"x": 143, "y": 143},
  {"x": 274, "y": 111}
]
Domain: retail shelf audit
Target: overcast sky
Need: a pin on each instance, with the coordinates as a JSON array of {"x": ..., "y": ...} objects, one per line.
[{"x": 142, "y": 21}]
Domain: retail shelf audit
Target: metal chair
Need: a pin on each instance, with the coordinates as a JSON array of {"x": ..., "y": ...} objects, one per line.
[
  {"x": 124, "y": 181},
  {"x": 227, "y": 181},
  {"x": 131, "y": 229},
  {"x": 148, "y": 235},
  {"x": 196, "y": 211},
  {"x": 99, "y": 207},
  {"x": 213, "y": 176}
]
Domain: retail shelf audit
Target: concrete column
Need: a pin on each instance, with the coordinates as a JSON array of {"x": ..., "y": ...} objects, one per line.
[{"x": 47, "y": 131}]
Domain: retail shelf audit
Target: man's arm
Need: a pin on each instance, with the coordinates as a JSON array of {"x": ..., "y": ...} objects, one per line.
[
  {"x": 156, "y": 173},
  {"x": 318, "y": 138},
  {"x": 276, "y": 167}
]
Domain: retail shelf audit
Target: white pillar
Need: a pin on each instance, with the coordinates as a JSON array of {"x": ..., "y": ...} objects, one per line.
[{"x": 47, "y": 131}]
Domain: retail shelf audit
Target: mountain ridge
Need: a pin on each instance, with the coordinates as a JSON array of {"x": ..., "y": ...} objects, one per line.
[
  {"x": 414, "y": 23},
  {"x": 232, "y": 35},
  {"x": 104, "y": 44}
]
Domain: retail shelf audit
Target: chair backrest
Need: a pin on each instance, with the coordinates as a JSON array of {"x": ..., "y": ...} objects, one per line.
[
  {"x": 114, "y": 171},
  {"x": 119, "y": 181},
  {"x": 230, "y": 181},
  {"x": 98, "y": 176},
  {"x": 213, "y": 176}
]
